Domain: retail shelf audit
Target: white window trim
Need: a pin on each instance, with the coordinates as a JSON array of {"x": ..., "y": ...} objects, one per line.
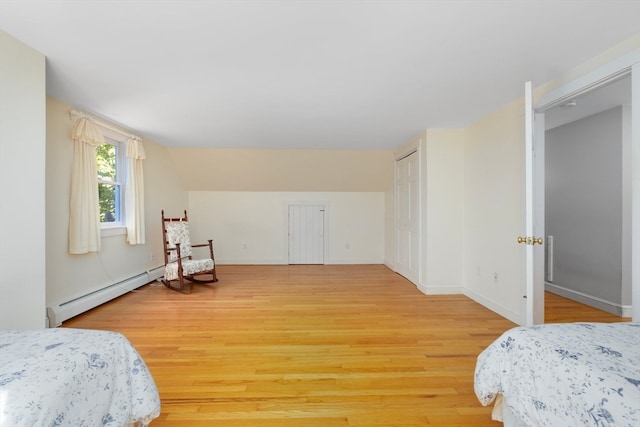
[{"x": 108, "y": 229}]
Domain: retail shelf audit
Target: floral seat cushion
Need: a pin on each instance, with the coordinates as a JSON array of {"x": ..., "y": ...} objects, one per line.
[{"x": 189, "y": 267}]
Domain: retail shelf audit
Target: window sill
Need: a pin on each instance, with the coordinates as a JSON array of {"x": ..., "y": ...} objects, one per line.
[{"x": 112, "y": 230}]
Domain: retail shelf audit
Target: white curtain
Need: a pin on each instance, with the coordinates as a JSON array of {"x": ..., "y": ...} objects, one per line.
[
  {"x": 84, "y": 208},
  {"x": 134, "y": 193}
]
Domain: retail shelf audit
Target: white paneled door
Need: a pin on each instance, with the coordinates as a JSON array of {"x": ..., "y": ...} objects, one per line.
[
  {"x": 306, "y": 234},
  {"x": 533, "y": 300},
  {"x": 407, "y": 205}
]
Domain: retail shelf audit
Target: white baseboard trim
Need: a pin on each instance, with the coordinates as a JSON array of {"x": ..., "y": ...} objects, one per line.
[
  {"x": 440, "y": 290},
  {"x": 590, "y": 300},
  {"x": 354, "y": 261},
  {"x": 494, "y": 306},
  {"x": 244, "y": 261}
]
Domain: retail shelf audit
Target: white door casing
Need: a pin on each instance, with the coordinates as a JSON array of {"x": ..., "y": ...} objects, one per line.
[{"x": 635, "y": 192}]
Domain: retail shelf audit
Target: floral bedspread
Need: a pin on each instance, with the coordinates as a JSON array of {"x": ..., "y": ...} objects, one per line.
[
  {"x": 577, "y": 374},
  {"x": 73, "y": 377}
]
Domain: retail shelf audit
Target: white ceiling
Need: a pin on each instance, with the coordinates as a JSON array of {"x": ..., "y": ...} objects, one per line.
[{"x": 307, "y": 74}]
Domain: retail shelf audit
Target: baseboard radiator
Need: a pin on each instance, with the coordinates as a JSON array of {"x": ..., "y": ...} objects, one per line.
[{"x": 56, "y": 314}]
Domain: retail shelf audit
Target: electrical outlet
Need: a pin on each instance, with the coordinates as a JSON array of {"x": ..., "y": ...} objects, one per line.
[{"x": 495, "y": 277}]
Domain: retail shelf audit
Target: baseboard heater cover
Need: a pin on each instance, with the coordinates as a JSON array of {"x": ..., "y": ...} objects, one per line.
[
  {"x": 58, "y": 313},
  {"x": 156, "y": 273}
]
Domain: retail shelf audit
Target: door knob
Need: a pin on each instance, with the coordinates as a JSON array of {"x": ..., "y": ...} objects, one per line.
[{"x": 530, "y": 240}]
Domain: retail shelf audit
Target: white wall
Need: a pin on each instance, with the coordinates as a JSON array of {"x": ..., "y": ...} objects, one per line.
[
  {"x": 444, "y": 211},
  {"x": 217, "y": 169},
  {"x": 258, "y": 219},
  {"x": 22, "y": 185},
  {"x": 495, "y": 211},
  {"x": 72, "y": 276},
  {"x": 239, "y": 197}
]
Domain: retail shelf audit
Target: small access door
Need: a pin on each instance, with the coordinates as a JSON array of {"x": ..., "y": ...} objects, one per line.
[{"x": 306, "y": 234}]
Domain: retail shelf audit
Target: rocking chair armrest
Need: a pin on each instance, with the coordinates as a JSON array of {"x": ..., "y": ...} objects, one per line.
[
  {"x": 204, "y": 245},
  {"x": 209, "y": 244},
  {"x": 200, "y": 245}
]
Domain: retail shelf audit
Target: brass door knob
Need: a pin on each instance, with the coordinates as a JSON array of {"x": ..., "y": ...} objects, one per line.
[{"x": 530, "y": 240}]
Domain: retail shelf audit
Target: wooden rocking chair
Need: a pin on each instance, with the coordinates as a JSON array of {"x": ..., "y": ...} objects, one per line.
[{"x": 178, "y": 261}]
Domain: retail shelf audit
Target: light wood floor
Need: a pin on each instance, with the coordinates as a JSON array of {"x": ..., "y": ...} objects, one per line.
[{"x": 311, "y": 346}]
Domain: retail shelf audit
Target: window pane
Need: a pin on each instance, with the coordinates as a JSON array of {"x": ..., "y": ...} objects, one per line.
[
  {"x": 109, "y": 195},
  {"x": 106, "y": 156}
]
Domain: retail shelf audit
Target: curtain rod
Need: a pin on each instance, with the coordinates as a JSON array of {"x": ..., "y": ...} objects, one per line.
[{"x": 74, "y": 114}]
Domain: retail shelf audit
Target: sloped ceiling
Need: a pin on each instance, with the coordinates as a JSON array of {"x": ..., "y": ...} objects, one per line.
[{"x": 307, "y": 74}]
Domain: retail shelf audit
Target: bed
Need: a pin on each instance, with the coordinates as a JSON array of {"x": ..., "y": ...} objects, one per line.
[
  {"x": 575, "y": 374},
  {"x": 73, "y": 377}
]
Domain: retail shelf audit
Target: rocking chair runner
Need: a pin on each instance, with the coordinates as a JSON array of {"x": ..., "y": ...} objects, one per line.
[{"x": 179, "y": 264}]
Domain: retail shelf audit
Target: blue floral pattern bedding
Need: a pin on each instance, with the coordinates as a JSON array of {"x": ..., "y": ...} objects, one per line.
[
  {"x": 73, "y": 377},
  {"x": 578, "y": 374}
]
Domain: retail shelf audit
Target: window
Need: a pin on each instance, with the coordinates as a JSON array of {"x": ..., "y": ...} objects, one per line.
[
  {"x": 106, "y": 179},
  {"x": 110, "y": 182}
]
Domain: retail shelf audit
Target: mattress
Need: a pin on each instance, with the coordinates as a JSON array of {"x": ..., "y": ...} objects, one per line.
[
  {"x": 579, "y": 374},
  {"x": 73, "y": 377}
]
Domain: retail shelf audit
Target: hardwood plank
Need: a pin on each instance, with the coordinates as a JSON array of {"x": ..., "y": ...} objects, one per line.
[{"x": 309, "y": 346}]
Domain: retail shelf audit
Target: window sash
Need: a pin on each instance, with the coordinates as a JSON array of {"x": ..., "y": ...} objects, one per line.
[{"x": 117, "y": 203}]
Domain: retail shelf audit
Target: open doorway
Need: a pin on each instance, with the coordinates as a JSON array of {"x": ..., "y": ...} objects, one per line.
[{"x": 588, "y": 197}]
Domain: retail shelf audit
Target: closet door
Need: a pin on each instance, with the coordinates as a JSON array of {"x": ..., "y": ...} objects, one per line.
[
  {"x": 407, "y": 205},
  {"x": 306, "y": 234}
]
